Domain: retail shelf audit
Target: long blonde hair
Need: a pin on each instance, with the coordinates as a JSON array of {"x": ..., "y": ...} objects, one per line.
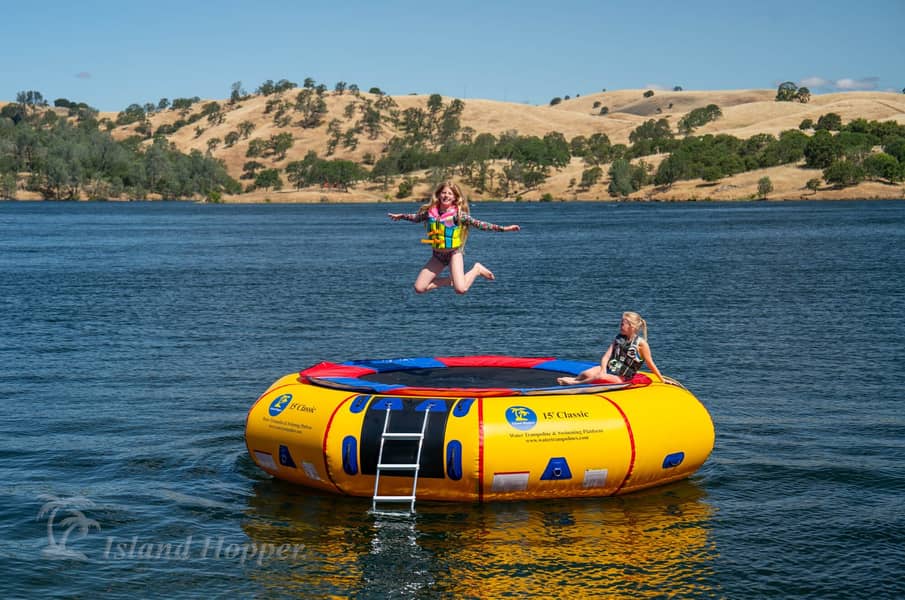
[
  {"x": 461, "y": 204},
  {"x": 638, "y": 324}
]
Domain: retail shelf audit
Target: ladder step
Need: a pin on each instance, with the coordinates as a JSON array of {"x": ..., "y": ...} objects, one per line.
[
  {"x": 403, "y": 436},
  {"x": 398, "y": 466},
  {"x": 394, "y": 498}
]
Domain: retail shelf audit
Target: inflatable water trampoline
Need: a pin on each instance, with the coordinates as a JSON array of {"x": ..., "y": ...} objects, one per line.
[{"x": 474, "y": 428}]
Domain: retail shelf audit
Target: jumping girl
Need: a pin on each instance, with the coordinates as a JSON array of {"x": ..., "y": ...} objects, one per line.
[
  {"x": 624, "y": 356},
  {"x": 448, "y": 219}
]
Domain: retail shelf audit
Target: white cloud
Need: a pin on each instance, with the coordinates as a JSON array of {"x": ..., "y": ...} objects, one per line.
[
  {"x": 866, "y": 83},
  {"x": 844, "y": 84}
]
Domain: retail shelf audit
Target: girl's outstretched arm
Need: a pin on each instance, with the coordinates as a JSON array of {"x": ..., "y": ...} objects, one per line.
[
  {"x": 486, "y": 226},
  {"x": 413, "y": 217}
]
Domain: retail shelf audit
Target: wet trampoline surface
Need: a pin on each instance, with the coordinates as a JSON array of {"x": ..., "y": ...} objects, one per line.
[{"x": 468, "y": 377}]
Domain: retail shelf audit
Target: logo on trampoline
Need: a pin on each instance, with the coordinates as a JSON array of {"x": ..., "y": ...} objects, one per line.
[
  {"x": 521, "y": 417},
  {"x": 279, "y": 404}
]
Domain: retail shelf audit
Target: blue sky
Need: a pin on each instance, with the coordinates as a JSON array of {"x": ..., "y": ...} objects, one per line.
[{"x": 111, "y": 54}]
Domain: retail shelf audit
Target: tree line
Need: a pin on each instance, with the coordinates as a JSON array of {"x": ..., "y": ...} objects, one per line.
[{"x": 71, "y": 156}]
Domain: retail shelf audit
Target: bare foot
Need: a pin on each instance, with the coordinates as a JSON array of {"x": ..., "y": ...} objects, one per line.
[
  {"x": 484, "y": 272},
  {"x": 565, "y": 380}
]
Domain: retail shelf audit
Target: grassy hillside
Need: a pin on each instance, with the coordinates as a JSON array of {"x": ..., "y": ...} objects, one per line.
[{"x": 745, "y": 113}]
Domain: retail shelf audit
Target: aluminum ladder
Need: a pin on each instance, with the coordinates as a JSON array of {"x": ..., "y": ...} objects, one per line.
[{"x": 415, "y": 467}]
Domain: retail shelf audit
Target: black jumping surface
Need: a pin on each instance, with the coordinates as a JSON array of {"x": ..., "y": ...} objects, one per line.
[{"x": 468, "y": 377}]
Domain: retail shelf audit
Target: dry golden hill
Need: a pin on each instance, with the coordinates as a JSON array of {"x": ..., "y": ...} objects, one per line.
[{"x": 745, "y": 113}]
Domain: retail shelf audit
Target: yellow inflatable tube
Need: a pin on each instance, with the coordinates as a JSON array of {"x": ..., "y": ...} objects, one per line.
[{"x": 397, "y": 428}]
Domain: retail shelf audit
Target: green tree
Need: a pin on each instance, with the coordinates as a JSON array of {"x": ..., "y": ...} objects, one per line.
[
  {"x": 578, "y": 146},
  {"x": 8, "y": 186},
  {"x": 405, "y": 188},
  {"x": 280, "y": 143},
  {"x": 822, "y": 150},
  {"x": 830, "y": 122},
  {"x": 882, "y": 166},
  {"x": 786, "y": 92},
  {"x": 620, "y": 178},
  {"x": 803, "y": 95},
  {"x": 302, "y": 173},
  {"x": 256, "y": 148},
  {"x": 212, "y": 144},
  {"x": 434, "y": 103},
  {"x": 790, "y": 146},
  {"x": 342, "y": 173},
  {"x": 236, "y": 93},
  {"x": 651, "y": 134},
  {"x": 806, "y": 124},
  {"x": 671, "y": 170},
  {"x": 245, "y": 128},
  {"x": 599, "y": 150},
  {"x": 312, "y": 107},
  {"x": 384, "y": 170},
  {"x": 896, "y": 147},
  {"x": 269, "y": 178},
  {"x": 250, "y": 169},
  {"x": 699, "y": 117},
  {"x": 31, "y": 100},
  {"x": 648, "y": 93},
  {"x": 556, "y": 150},
  {"x": 130, "y": 114},
  {"x": 843, "y": 173},
  {"x": 184, "y": 103},
  {"x": 590, "y": 177},
  {"x": 764, "y": 187},
  {"x": 813, "y": 184}
]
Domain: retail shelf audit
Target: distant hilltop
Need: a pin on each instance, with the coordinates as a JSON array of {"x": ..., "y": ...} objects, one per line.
[{"x": 310, "y": 144}]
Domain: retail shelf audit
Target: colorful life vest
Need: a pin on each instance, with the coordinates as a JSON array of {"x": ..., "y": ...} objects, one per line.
[
  {"x": 625, "y": 359},
  {"x": 443, "y": 230}
]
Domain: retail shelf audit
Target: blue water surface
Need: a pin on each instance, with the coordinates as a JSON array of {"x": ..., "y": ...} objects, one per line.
[{"x": 135, "y": 336}]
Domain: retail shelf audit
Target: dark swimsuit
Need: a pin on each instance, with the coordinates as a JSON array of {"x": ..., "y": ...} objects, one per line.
[{"x": 444, "y": 257}]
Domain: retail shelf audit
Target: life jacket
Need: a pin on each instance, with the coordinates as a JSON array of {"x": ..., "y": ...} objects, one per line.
[
  {"x": 443, "y": 230},
  {"x": 625, "y": 360}
]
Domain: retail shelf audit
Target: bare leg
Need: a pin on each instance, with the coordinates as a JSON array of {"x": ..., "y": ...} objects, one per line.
[
  {"x": 608, "y": 378},
  {"x": 427, "y": 279},
  {"x": 462, "y": 280},
  {"x": 594, "y": 373}
]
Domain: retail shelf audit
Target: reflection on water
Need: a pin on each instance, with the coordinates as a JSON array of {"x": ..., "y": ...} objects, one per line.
[{"x": 653, "y": 543}]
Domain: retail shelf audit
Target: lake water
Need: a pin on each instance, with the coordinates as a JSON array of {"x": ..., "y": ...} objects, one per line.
[{"x": 134, "y": 337}]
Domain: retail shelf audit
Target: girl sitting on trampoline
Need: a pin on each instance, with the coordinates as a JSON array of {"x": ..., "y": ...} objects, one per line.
[
  {"x": 448, "y": 219},
  {"x": 623, "y": 358}
]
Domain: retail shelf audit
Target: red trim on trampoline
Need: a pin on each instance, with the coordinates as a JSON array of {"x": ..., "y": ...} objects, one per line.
[
  {"x": 492, "y": 361},
  {"x": 329, "y": 369},
  {"x": 631, "y": 440},
  {"x": 639, "y": 379}
]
